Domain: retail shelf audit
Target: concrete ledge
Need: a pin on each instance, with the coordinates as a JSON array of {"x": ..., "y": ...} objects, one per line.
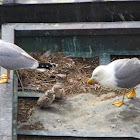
[{"x": 6, "y": 101}]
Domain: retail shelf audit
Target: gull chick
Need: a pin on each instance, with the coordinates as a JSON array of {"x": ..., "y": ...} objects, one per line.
[
  {"x": 46, "y": 100},
  {"x": 58, "y": 88}
]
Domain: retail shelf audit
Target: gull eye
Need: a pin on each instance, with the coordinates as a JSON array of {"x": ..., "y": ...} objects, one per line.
[{"x": 95, "y": 75}]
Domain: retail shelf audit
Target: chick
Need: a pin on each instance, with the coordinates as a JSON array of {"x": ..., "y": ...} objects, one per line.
[
  {"x": 58, "y": 88},
  {"x": 46, "y": 100}
]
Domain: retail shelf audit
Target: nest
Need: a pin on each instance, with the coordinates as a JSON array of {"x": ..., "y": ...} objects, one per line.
[{"x": 77, "y": 70}]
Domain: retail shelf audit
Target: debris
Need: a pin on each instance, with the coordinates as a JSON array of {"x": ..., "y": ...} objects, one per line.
[
  {"x": 33, "y": 126},
  {"x": 47, "y": 54},
  {"x": 113, "y": 125},
  {"x": 25, "y": 108}
]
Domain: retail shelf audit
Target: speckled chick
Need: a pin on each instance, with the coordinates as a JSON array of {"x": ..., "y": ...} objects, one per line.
[
  {"x": 58, "y": 88},
  {"x": 46, "y": 100}
]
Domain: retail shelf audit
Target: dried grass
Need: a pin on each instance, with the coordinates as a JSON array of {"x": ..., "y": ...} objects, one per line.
[{"x": 78, "y": 71}]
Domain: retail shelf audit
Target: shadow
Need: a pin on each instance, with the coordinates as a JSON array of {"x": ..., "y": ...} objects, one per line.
[
  {"x": 52, "y": 109},
  {"x": 59, "y": 107}
]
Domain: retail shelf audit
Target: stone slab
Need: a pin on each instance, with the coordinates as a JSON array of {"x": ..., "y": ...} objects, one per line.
[
  {"x": 89, "y": 114},
  {"x": 6, "y": 105},
  {"x": 5, "y": 138}
]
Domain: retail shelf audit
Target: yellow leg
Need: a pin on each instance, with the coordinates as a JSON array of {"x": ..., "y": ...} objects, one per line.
[
  {"x": 5, "y": 77},
  {"x": 132, "y": 93},
  {"x": 119, "y": 103},
  {"x": 8, "y": 73}
]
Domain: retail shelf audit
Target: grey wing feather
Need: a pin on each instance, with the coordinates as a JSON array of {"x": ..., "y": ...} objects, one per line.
[
  {"x": 128, "y": 68},
  {"x": 128, "y": 73},
  {"x": 13, "y": 57}
]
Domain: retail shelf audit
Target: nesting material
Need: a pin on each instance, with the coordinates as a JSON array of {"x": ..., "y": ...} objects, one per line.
[
  {"x": 77, "y": 70},
  {"x": 58, "y": 88},
  {"x": 60, "y": 78},
  {"x": 46, "y": 100}
]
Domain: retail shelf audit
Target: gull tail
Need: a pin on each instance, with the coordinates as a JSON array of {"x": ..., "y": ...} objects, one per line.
[{"x": 45, "y": 66}]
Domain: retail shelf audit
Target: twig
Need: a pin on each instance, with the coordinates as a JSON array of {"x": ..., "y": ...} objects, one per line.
[{"x": 20, "y": 80}]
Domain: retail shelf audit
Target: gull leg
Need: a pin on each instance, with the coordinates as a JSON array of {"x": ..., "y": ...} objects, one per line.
[
  {"x": 119, "y": 103},
  {"x": 5, "y": 77},
  {"x": 132, "y": 93}
]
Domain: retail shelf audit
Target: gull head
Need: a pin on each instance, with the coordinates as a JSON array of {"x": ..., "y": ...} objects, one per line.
[{"x": 97, "y": 74}]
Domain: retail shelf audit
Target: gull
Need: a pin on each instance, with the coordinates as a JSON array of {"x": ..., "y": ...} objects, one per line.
[
  {"x": 119, "y": 74},
  {"x": 12, "y": 57}
]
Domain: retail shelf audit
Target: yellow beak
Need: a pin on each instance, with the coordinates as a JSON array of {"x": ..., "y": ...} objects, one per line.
[{"x": 90, "y": 81}]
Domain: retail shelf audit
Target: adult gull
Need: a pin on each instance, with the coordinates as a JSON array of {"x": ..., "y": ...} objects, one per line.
[
  {"x": 12, "y": 57},
  {"x": 119, "y": 74}
]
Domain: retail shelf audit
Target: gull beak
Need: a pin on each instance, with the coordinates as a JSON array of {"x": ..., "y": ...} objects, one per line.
[{"x": 90, "y": 81}]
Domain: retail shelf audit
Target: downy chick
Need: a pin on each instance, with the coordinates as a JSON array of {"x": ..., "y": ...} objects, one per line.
[
  {"x": 58, "y": 88},
  {"x": 46, "y": 100}
]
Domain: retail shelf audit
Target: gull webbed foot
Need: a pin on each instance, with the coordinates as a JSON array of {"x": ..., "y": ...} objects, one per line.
[
  {"x": 3, "y": 81},
  {"x": 4, "y": 76},
  {"x": 132, "y": 93},
  {"x": 118, "y": 103}
]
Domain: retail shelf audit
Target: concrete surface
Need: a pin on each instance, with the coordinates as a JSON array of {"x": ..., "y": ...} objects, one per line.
[
  {"x": 6, "y": 95},
  {"x": 88, "y": 113},
  {"x": 6, "y": 103}
]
